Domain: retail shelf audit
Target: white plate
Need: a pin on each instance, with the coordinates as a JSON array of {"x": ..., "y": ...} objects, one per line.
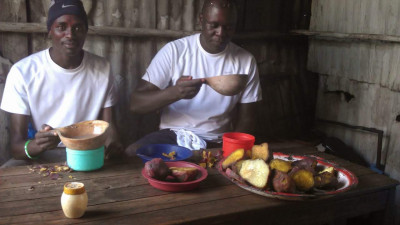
[{"x": 347, "y": 180}]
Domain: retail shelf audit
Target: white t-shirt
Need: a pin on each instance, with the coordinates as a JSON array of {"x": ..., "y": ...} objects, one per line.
[
  {"x": 56, "y": 96},
  {"x": 208, "y": 114}
]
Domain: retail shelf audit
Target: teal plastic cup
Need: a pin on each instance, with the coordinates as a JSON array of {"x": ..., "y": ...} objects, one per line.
[{"x": 85, "y": 160}]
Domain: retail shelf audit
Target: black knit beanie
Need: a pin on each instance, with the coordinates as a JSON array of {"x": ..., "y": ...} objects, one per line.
[{"x": 66, "y": 7}]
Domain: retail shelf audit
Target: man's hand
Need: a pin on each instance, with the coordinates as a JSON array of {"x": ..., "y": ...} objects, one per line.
[
  {"x": 150, "y": 98},
  {"x": 188, "y": 87},
  {"x": 46, "y": 138}
]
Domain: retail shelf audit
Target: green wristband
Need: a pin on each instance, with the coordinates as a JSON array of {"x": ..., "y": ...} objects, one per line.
[{"x": 26, "y": 150}]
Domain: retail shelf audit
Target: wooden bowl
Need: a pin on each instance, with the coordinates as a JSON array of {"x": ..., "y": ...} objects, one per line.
[
  {"x": 86, "y": 135},
  {"x": 228, "y": 85}
]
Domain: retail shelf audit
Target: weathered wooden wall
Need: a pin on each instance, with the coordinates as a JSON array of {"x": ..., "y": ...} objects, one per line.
[
  {"x": 367, "y": 68},
  {"x": 12, "y": 48},
  {"x": 289, "y": 91}
]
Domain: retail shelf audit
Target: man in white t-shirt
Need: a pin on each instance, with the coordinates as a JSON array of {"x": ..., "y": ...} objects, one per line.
[
  {"x": 174, "y": 84},
  {"x": 57, "y": 87}
]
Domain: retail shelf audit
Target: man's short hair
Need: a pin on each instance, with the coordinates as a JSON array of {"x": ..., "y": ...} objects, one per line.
[
  {"x": 219, "y": 3},
  {"x": 66, "y": 7}
]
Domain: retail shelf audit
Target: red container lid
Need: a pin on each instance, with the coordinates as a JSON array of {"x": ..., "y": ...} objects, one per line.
[{"x": 238, "y": 137}]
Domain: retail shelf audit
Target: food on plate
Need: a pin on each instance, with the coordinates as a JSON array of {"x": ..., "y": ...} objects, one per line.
[
  {"x": 184, "y": 174},
  {"x": 208, "y": 159},
  {"x": 232, "y": 174},
  {"x": 237, "y": 166},
  {"x": 247, "y": 154},
  {"x": 170, "y": 155},
  {"x": 261, "y": 152},
  {"x": 279, "y": 174},
  {"x": 282, "y": 182},
  {"x": 256, "y": 172},
  {"x": 303, "y": 179},
  {"x": 157, "y": 169},
  {"x": 308, "y": 163},
  {"x": 281, "y": 165},
  {"x": 326, "y": 179},
  {"x": 233, "y": 158}
]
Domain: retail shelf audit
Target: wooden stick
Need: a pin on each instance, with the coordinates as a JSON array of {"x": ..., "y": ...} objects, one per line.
[
  {"x": 346, "y": 36},
  {"x": 95, "y": 30},
  {"x": 146, "y": 32},
  {"x": 132, "y": 32}
]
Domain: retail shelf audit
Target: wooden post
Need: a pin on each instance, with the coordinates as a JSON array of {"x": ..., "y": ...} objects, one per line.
[
  {"x": 38, "y": 14},
  {"x": 163, "y": 20},
  {"x": 176, "y": 15},
  {"x": 188, "y": 23}
]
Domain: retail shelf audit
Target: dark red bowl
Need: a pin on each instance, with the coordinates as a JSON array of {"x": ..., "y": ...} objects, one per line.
[{"x": 178, "y": 186}]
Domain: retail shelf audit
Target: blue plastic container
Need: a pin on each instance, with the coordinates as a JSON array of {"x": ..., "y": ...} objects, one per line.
[
  {"x": 85, "y": 160},
  {"x": 151, "y": 151}
]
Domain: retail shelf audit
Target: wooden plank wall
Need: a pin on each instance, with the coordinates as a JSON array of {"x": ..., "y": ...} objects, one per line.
[
  {"x": 289, "y": 91},
  {"x": 12, "y": 48},
  {"x": 367, "y": 69}
]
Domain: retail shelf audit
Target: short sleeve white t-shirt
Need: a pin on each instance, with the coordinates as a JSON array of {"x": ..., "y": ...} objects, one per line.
[
  {"x": 208, "y": 114},
  {"x": 56, "y": 96}
]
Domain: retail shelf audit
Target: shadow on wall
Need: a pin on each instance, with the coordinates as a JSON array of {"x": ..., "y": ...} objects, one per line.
[{"x": 338, "y": 148}]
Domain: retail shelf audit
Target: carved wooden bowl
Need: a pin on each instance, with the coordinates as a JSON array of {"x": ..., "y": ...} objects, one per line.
[
  {"x": 86, "y": 135},
  {"x": 228, "y": 85}
]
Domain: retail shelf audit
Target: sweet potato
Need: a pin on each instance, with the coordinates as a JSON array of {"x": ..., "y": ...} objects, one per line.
[
  {"x": 234, "y": 157},
  {"x": 233, "y": 175},
  {"x": 282, "y": 182},
  {"x": 256, "y": 172},
  {"x": 184, "y": 174},
  {"x": 261, "y": 152},
  {"x": 326, "y": 179},
  {"x": 294, "y": 170},
  {"x": 157, "y": 169},
  {"x": 237, "y": 166},
  {"x": 281, "y": 165},
  {"x": 247, "y": 154},
  {"x": 303, "y": 179},
  {"x": 308, "y": 163}
]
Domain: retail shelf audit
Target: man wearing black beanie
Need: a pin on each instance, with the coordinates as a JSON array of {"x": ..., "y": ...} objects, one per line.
[
  {"x": 57, "y": 87},
  {"x": 66, "y": 7}
]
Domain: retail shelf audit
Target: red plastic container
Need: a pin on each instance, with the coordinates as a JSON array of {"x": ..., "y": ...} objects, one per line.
[{"x": 235, "y": 140}]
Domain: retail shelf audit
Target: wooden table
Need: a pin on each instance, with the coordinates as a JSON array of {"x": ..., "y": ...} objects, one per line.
[{"x": 118, "y": 194}]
